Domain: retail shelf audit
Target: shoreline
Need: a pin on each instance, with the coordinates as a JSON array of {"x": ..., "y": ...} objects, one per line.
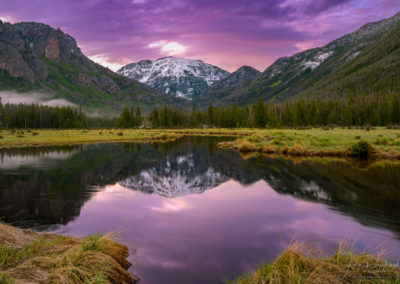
[
  {"x": 302, "y": 263},
  {"x": 246, "y": 148},
  {"x": 384, "y": 143},
  {"x": 28, "y": 256}
]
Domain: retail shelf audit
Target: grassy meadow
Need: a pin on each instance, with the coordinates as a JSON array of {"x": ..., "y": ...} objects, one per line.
[{"x": 301, "y": 142}]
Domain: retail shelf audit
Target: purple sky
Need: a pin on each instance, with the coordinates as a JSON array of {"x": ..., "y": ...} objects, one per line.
[{"x": 226, "y": 33}]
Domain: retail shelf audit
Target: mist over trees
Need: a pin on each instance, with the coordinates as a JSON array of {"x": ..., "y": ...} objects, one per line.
[
  {"x": 375, "y": 110},
  {"x": 40, "y": 116}
]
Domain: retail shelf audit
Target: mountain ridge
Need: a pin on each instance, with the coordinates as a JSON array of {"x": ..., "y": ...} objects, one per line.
[
  {"x": 219, "y": 89},
  {"x": 37, "y": 57},
  {"x": 310, "y": 72},
  {"x": 175, "y": 76}
]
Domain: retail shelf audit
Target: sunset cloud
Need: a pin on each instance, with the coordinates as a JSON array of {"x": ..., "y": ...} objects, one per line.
[
  {"x": 169, "y": 48},
  {"x": 227, "y": 33}
]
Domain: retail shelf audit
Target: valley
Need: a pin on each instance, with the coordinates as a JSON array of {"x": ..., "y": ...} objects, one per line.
[
  {"x": 184, "y": 163},
  {"x": 50, "y": 62}
]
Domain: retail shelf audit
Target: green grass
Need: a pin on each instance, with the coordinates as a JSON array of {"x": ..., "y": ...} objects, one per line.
[
  {"x": 48, "y": 137},
  {"x": 318, "y": 141},
  {"x": 301, "y": 263},
  {"x": 27, "y": 256},
  {"x": 315, "y": 140}
]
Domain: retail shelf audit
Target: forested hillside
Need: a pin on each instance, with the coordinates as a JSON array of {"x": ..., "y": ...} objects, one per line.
[
  {"x": 364, "y": 62},
  {"x": 36, "y": 57}
]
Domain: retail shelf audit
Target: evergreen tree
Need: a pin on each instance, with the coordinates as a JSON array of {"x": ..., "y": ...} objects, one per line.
[
  {"x": 138, "y": 117},
  {"x": 210, "y": 113},
  {"x": 165, "y": 116},
  {"x": 125, "y": 118},
  {"x": 154, "y": 118},
  {"x": 259, "y": 114}
]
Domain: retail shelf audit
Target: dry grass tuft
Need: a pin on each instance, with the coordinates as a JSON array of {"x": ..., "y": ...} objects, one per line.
[
  {"x": 270, "y": 149},
  {"x": 301, "y": 264},
  {"x": 27, "y": 256},
  {"x": 297, "y": 150},
  {"x": 245, "y": 146},
  {"x": 284, "y": 150}
]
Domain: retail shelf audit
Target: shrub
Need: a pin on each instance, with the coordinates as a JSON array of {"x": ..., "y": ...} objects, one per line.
[
  {"x": 35, "y": 134},
  {"x": 361, "y": 150}
]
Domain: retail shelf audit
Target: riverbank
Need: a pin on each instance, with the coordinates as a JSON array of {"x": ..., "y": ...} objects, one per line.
[
  {"x": 379, "y": 143},
  {"x": 53, "y": 137},
  {"x": 27, "y": 256},
  {"x": 300, "y": 263},
  {"x": 383, "y": 142}
]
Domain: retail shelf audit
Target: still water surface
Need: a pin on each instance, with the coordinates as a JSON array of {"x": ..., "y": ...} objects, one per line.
[{"x": 193, "y": 213}]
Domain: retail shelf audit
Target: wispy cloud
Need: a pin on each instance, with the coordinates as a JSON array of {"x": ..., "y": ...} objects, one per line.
[
  {"x": 169, "y": 48},
  {"x": 228, "y": 33}
]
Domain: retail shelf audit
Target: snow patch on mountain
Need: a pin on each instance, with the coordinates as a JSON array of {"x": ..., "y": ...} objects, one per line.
[
  {"x": 178, "y": 77},
  {"x": 317, "y": 60}
]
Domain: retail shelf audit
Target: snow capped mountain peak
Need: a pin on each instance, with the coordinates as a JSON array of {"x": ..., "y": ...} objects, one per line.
[{"x": 178, "y": 77}]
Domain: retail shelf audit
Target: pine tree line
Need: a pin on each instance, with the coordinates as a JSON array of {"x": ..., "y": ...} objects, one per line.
[
  {"x": 40, "y": 116},
  {"x": 129, "y": 118},
  {"x": 376, "y": 110}
]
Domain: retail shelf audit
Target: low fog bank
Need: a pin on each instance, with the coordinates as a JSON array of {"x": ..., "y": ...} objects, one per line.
[{"x": 32, "y": 98}]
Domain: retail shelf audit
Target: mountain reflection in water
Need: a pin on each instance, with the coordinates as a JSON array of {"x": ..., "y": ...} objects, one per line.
[{"x": 193, "y": 210}]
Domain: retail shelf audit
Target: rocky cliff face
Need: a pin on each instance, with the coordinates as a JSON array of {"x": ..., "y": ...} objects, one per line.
[
  {"x": 39, "y": 57},
  {"x": 23, "y": 45},
  {"x": 177, "y": 77}
]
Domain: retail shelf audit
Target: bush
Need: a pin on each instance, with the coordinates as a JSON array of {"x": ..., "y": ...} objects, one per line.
[{"x": 361, "y": 150}]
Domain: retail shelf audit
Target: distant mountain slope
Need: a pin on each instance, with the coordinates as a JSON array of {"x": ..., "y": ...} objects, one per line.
[
  {"x": 221, "y": 88},
  {"x": 178, "y": 77},
  {"x": 362, "y": 62},
  {"x": 36, "y": 57}
]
